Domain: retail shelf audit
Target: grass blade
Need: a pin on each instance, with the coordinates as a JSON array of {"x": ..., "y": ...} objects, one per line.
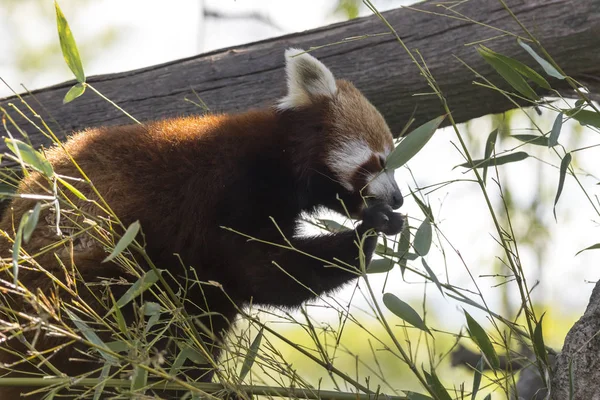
[{"x": 538, "y": 342}]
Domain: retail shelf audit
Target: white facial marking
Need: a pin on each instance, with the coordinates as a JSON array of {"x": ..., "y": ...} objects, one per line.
[
  {"x": 347, "y": 158},
  {"x": 306, "y": 77}
]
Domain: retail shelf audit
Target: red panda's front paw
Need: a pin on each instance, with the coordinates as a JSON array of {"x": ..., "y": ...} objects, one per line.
[{"x": 381, "y": 218}]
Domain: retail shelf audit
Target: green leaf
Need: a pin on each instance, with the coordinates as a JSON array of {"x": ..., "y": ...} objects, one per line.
[
  {"x": 139, "y": 379},
  {"x": 436, "y": 386},
  {"x": 144, "y": 283},
  {"x": 404, "y": 311},
  {"x": 538, "y": 342},
  {"x": 28, "y": 155},
  {"x": 532, "y": 139},
  {"x": 592, "y": 247},
  {"x": 31, "y": 223},
  {"x": 482, "y": 340},
  {"x": 555, "y": 132},
  {"x": 68, "y": 45},
  {"x": 91, "y": 336},
  {"x": 412, "y": 143},
  {"x": 17, "y": 247},
  {"x": 500, "y": 160},
  {"x": 403, "y": 247},
  {"x": 523, "y": 69},
  {"x": 585, "y": 117},
  {"x": 423, "y": 237},
  {"x": 187, "y": 353},
  {"x": 381, "y": 265},
  {"x": 73, "y": 93},
  {"x": 564, "y": 165},
  {"x": 490, "y": 144},
  {"x": 548, "y": 68},
  {"x": 488, "y": 397},
  {"x": 72, "y": 189},
  {"x": 511, "y": 76},
  {"x": 125, "y": 241},
  {"x": 432, "y": 276},
  {"x": 251, "y": 355},
  {"x": 102, "y": 381},
  {"x": 425, "y": 208},
  {"x": 477, "y": 377}
]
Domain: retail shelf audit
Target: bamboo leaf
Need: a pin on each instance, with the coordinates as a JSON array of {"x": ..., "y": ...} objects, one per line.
[
  {"x": 511, "y": 76},
  {"x": 68, "y": 45},
  {"x": 482, "y": 340},
  {"x": 251, "y": 355},
  {"x": 555, "y": 132},
  {"x": 91, "y": 336},
  {"x": 477, "y": 377},
  {"x": 31, "y": 223},
  {"x": 538, "y": 341},
  {"x": 564, "y": 165},
  {"x": 490, "y": 144},
  {"x": 585, "y": 117},
  {"x": 144, "y": 283},
  {"x": 72, "y": 189},
  {"x": 500, "y": 160},
  {"x": 381, "y": 265},
  {"x": 28, "y": 155},
  {"x": 125, "y": 241},
  {"x": 139, "y": 380},
  {"x": 432, "y": 276},
  {"x": 423, "y": 237},
  {"x": 102, "y": 381},
  {"x": 436, "y": 386},
  {"x": 76, "y": 90},
  {"x": 425, "y": 208},
  {"x": 403, "y": 247},
  {"x": 548, "y": 68},
  {"x": 522, "y": 69},
  {"x": 16, "y": 249},
  {"x": 404, "y": 311},
  {"x": 532, "y": 139},
  {"x": 412, "y": 143},
  {"x": 592, "y": 247}
]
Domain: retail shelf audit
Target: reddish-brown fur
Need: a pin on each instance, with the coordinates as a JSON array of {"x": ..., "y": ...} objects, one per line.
[{"x": 186, "y": 178}]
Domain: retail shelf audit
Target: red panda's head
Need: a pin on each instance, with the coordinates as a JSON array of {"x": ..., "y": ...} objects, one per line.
[{"x": 354, "y": 138}]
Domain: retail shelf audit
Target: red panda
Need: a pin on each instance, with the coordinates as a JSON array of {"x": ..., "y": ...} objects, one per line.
[{"x": 184, "y": 179}]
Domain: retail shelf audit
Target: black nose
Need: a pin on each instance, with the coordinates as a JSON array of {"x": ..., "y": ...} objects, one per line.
[{"x": 397, "y": 200}]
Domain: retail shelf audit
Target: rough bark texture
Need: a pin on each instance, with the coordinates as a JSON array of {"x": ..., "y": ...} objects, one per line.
[
  {"x": 252, "y": 75},
  {"x": 582, "y": 351}
]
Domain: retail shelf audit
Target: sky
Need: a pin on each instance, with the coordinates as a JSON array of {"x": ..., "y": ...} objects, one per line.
[{"x": 154, "y": 32}]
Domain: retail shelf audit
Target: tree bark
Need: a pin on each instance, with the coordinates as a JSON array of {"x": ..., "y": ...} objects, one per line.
[{"x": 252, "y": 75}]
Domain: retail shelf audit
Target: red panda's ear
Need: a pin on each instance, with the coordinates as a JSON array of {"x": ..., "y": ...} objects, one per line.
[{"x": 307, "y": 78}]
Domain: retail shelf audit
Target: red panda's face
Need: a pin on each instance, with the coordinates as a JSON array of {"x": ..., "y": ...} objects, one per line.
[{"x": 356, "y": 139}]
